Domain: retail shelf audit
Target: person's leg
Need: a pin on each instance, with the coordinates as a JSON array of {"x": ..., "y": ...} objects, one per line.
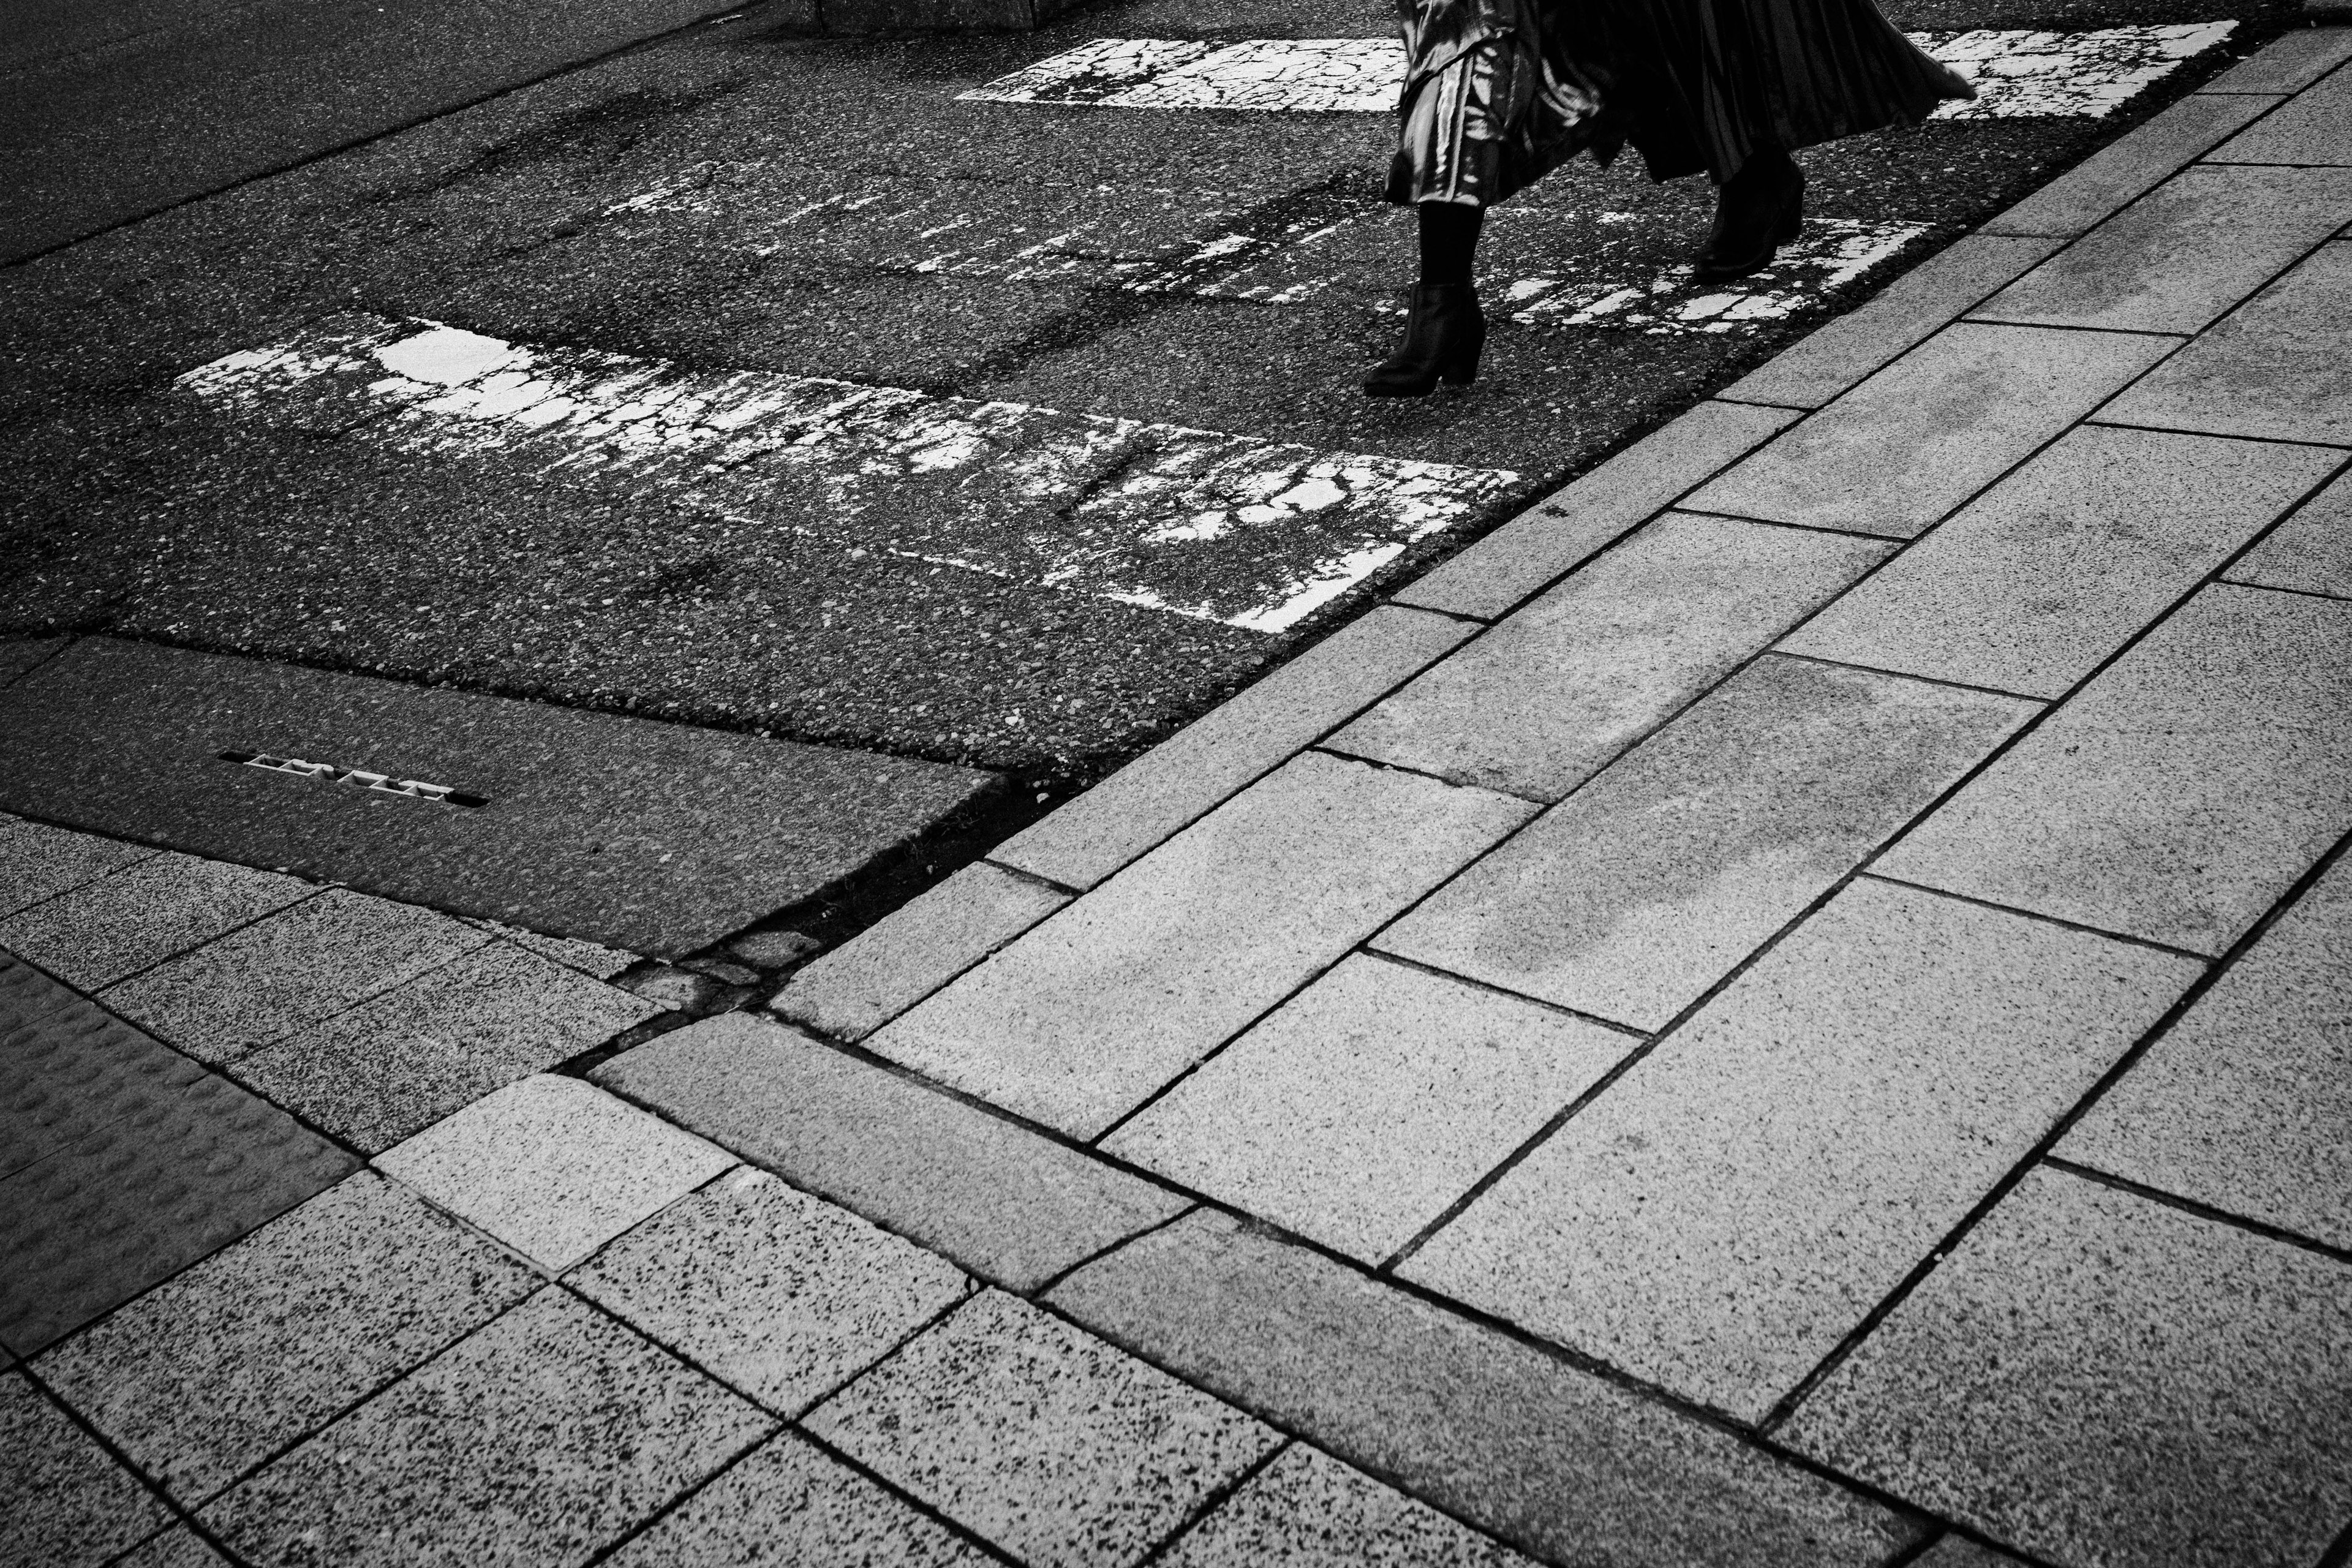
[
  {"x": 1449, "y": 239},
  {"x": 1445, "y": 330},
  {"x": 1757, "y": 210}
]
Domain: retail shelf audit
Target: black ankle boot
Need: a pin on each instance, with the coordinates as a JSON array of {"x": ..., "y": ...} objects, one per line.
[
  {"x": 1441, "y": 340},
  {"x": 1757, "y": 211}
]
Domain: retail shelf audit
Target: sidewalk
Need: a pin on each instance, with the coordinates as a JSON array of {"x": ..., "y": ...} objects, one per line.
[{"x": 1788, "y": 1006}]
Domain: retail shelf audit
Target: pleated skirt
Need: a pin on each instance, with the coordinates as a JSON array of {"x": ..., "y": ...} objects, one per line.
[{"x": 1494, "y": 97}]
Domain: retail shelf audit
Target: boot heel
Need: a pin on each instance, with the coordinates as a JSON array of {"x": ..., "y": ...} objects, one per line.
[{"x": 1461, "y": 367}]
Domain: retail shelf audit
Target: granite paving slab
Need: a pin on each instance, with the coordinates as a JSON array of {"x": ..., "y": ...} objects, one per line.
[
  {"x": 1960, "y": 1551},
  {"x": 1307, "y": 1510},
  {"x": 1094, "y": 1011},
  {"x": 1996, "y": 1392},
  {"x": 2183, "y": 255},
  {"x": 1248, "y": 735},
  {"x": 541, "y": 1439},
  {"x": 2287, "y": 63},
  {"x": 218, "y": 1368},
  {"x": 289, "y": 971},
  {"x": 2128, "y": 167},
  {"x": 2314, "y": 127},
  {"x": 1904, "y": 448},
  {"x": 1564, "y": 1464},
  {"x": 133, "y": 1201},
  {"x": 178, "y": 1547},
  {"x": 64, "y": 1499},
  {"x": 1550, "y": 696},
  {"x": 592, "y": 959},
  {"x": 74, "y": 1069},
  {"x": 1039, "y": 1437},
  {"x": 26, "y": 993},
  {"x": 1012, "y": 1206},
  {"x": 142, "y": 914},
  {"x": 780, "y": 1295},
  {"x": 1631, "y": 898},
  {"x": 913, "y": 950},
  {"x": 398, "y": 1063},
  {"x": 2273, "y": 369},
  {"x": 1735, "y": 1204},
  {"x": 2044, "y": 575},
  {"x": 789, "y": 1504},
  {"x": 2177, "y": 795},
  {"x": 2310, "y": 552},
  {"x": 1356, "y": 1112},
  {"x": 38, "y": 861},
  {"x": 2243, "y": 1104},
  {"x": 18, "y": 655},
  {"x": 554, "y": 1167}
]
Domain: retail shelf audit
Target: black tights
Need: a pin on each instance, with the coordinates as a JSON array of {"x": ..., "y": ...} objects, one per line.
[{"x": 1449, "y": 236}]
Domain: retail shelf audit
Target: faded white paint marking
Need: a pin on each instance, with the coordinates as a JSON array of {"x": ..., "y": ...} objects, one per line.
[
  {"x": 2016, "y": 72},
  {"x": 1256, "y": 534}
]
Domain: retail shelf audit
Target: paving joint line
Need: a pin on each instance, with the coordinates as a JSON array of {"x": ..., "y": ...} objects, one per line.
[
  {"x": 1948, "y": 685},
  {"x": 121, "y": 1456},
  {"x": 1046, "y": 1285},
  {"x": 1216, "y": 1496},
  {"x": 849, "y": 1461},
  {"x": 1492, "y": 988},
  {"x": 2037, "y": 917},
  {"x": 2211, "y": 1213}
]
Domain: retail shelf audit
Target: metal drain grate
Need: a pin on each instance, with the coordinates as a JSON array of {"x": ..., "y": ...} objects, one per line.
[{"x": 382, "y": 783}]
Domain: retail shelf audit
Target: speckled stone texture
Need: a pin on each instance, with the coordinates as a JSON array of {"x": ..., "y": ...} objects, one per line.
[
  {"x": 1364, "y": 1106},
  {"x": 588, "y": 957},
  {"x": 2126, "y": 169},
  {"x": 2317, "y": 128},
  {"x": 26, "y": 993},
  {"x": 2054, "y": 568},
  {"x": 2244, "y": 1103},
  {"x": 2311, "y": 551},
  {"x": 64, "y": 1499},
  {"x": 1092, "y": 1012},
  {"x": 1562, "y": 1464},
  {"x": 142, "y": 914},
  {"x": 1191, "y": 772},
  {"x": 395, "y": 1065},
  {"x": 38, "y": 861},
  {"x": 2099, "y": 1379},
  {"x": 1960, "y": 1551},
  {"x": 1307, "y": 1510},
  {"x": 2287, "y": 63},
  {"x": 178, "y": 1547},
  {"x": 540, "y": 1439},
  {"x": 1720, "y": 1218},
  {"x": 77, "y": 1068},
  {"x": 916, "y": 949},
  {"x": 139, "y": 1199},
  {"x": 554, "y": 1167},
  {"x": 2179, "y": 794},
  {"x": 1919, "y": 438},
  {"x": 289, "y": 971},
  {"x": 1039, "y": 1437},
  {"x": 783, "y": 1296},
  {"x": 1631, "y": 898},
  {"x": 1550, "y": 696},
  {"x": 792, "y": 1506},
  {"x": 1013, "y": 1207},
  {"x": 208, "y": 1374}
]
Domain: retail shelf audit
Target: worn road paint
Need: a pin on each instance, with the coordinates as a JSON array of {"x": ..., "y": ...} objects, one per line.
[
  {"x": 334, "y": 773},
  {"x": 2016, "y": 72},
  {"x": 1255, "y": 534}
]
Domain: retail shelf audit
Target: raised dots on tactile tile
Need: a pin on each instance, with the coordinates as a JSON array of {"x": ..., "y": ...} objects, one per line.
[
  {"x": 1307, "y": 1510},
  {"x": 62, "y": 1499},
  {"x": 538, "y": 1439},
  {"x": 2094, "y": 1377},
  {"x": 554, "y": 1167},
  {"x": 74, "y": 1069},
  {"x": 38, "y": 861},
  {"x": 25, "y": 993},
  {"x": 209, "y": 1374},
  {"x": 160, "y": 906},
  {"x": 1040, "y": 1438}
]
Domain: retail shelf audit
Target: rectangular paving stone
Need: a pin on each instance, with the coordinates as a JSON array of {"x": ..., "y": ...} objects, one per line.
[
  {"x": 1013, "y": 1207},
  {"x": 780, "y": 1295},
  {"x": 554, "y": 1167},
  {"x": 212, "y": 1371},
  {"x": 1567, "y": 528},
  {"x": 2311, "y": 551},
  {"x": 2183, "y": 255},
  {"x": 38, "y": 861},
  {"x": 1995, "y": 1394},
  {"x": 1092, "y": 1012},
  {"x": 1307, "y": 1510},
  {"x": 2176, "y": 797},
  {"x": 18, "y": 655},
  {"x": 289, "y": 970},
  {"x": 178, "y": 1547},
  {"x": 1905, "y": 448},
  {"x": 2043, "y": 576},
  {"x": 142, "y": 914},
  {"x": 142, "y": 1197},
  {"x": 912, "y": 951},
  {"x": 2313, "y": 127},
  {"x": 1631, "y": 898},
  {"x": 1184, "y": 776},
  {"x": 2287, "y": 63},
  {"x": 64, "y": 1498},
  {"x": 592, "y": 959},
  {"x": 541, "y": 1439},
  {"x": 1552, "y": 695},
  {"x": 26, "y": 993},
  {"x": 397, "y": 1064},
  {"x": 2130, "y": 167},
  {"x": 791, "y": 1503},
  {"x": 1562, "y": 1464},
  {"x": 75, "y": 1069},
  {"x": 2274, "y": 368},
  {"x": 2242, "y": 1105},
  {"x": 1939, "y": 291},
  {"x": 1039, "y": 1437},
  {"x": 1359, "y": 1110},
  {"x": 1726, "y": 1213}
]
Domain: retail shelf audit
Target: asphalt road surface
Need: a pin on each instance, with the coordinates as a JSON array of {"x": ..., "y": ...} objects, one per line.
[{"x": 989, "y": 401}]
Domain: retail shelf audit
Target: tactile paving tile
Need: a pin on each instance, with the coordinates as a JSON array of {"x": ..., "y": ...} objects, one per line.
[
  {"x": 25, "y": 993},
  {"x": 95, "y": 1224},
  {"x": 74, "y": 1069}
]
